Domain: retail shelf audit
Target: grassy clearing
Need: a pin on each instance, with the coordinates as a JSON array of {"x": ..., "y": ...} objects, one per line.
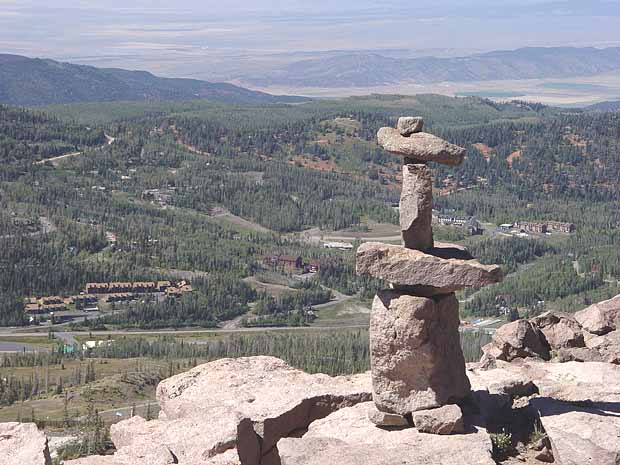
[{"x": 350, "y": 312}]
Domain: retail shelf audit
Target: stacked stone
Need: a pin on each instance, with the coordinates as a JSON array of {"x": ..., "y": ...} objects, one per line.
[{"x": 418, "y": 368}]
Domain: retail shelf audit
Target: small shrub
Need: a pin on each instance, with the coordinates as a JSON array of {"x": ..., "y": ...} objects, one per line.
[
  {"x": 538, "y": 433},
  {"x": 502, "y": 444}
]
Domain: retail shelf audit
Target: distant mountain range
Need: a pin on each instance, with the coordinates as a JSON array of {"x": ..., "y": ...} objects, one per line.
[
  {"x": 34, "y": 81},
  {"x": 373, "y": 69},
  {"x": 605, "y": 106}
]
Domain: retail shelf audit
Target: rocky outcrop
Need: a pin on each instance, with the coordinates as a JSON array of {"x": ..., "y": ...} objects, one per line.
[
  {"x": 348, "y": 438},
  {"x": 416, "y": 207},
  {"x": 274, "y": 398},
  {"x": 232, "y": 409},
  {"x": 560, "y": 336},
  {"x": 426, "y": 274},
  {"x": 560, "y": 330},
  {"x": 519, "y": 339},
  {"x": 576, "y": 403},
  {"x": 420, "y": 147},
  {"x": 581, "y": 435},
  {"x": 416, "y": 357},
  {"x": 23, "y": 443},
  {"x": 568, "y": 382},
  {"x": 601, "y": 318},
  {"x": 444, "y": 420}
]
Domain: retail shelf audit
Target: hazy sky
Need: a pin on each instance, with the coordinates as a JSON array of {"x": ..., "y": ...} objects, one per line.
[{"x": 157, "y": 34}]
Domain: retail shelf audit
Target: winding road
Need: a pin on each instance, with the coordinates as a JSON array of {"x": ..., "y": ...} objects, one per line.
[{"x": 54, "y": 160}]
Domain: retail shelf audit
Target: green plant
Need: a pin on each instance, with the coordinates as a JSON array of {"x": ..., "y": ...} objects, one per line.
[
  {"x": 538, "y": 433},
  {"x": 502, "y": 443}
]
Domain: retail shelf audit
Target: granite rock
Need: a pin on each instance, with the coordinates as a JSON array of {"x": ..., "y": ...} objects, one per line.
[
  {"x": 519, "y": 339},
  {"x": 408, "y": 125},
  {"x": 416, "y": 357},
  {"x": 347, "y": 437},
  {"x": 421, "y": 146},
  {"x": 23, "y": 443},
  {"x": 425, "y": 274},
  {"x": 416, "y": 207},
  {"x": 601, "y": 318},
  {"x": 443, "y": 420}
]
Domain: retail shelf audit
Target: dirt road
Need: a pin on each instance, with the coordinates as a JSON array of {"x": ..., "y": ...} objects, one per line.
[{"x": 55, "y": 160}]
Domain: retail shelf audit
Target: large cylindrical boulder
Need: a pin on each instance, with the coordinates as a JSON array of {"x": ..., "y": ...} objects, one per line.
[{"x": 416, "y": 356}]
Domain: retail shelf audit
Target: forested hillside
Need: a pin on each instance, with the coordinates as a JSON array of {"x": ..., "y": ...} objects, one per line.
[
  {"x": 34, "y": 81},
  {"x": 208, "y": 191}
]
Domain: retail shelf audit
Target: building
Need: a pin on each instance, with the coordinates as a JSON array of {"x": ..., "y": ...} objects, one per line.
[
  {"x": 285, "y": 262},
  {"x": 81, "y": 301},
  {"x": 526, "y": 226},
  {"x": 314, "y": 266},
  {"x": 156, "y": 196},
  {"x": 97, "y": 288},
  {"x": 120, "y": 297},
  {"x": 33, "y": 309},
  {"x": 558, "y": 226},
  {"x": 181, "y": 288},
  {"x": 474, "y": 228},
  {"x": 115, "y": 288},
  {"x": 289, "y": 262},
  {"x": 449, "y": 220},
  {"x": 173, "y": 292},
  {"x": 144, "y": 287},
  {"x": 163, "y": 285},
  {"x": 54, "y": 300},
  {"x": 338, "y": 245}
]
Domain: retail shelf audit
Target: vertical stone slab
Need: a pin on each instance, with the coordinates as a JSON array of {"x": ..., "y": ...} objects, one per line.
[
  {"x": 416, "y": 207},
  {"x": 416, "y": 357}
]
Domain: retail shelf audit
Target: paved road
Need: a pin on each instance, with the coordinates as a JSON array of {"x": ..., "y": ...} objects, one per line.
[
  {"x": 19, "y": 347},
  {"x": 13, "y": 332}
]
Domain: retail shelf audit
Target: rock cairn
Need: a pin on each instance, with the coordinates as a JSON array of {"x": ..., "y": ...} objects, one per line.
[{"x": 417, "y": 362}]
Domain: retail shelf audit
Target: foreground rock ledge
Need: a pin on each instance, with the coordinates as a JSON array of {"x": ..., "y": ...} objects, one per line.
[
  {"x": 236, "y": 408},
  {"x": 430, "y": 274},
  {"x": 577, "y": 402},
  {"x": 23, "y": 443},
  {"x": 347, "y": 437}
]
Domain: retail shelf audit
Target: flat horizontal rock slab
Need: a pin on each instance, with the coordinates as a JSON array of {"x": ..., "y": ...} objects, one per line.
[
  {"x": 273, "y": 397},
  {"x": 447, "y": 250},
  {"x": 569, "y": 382},
  {"x": 434, "y": 275},
  {"x": 347, "y": 437},
  {"x": 581, "y": 435},
  {"x": 421, "y": 146}
]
